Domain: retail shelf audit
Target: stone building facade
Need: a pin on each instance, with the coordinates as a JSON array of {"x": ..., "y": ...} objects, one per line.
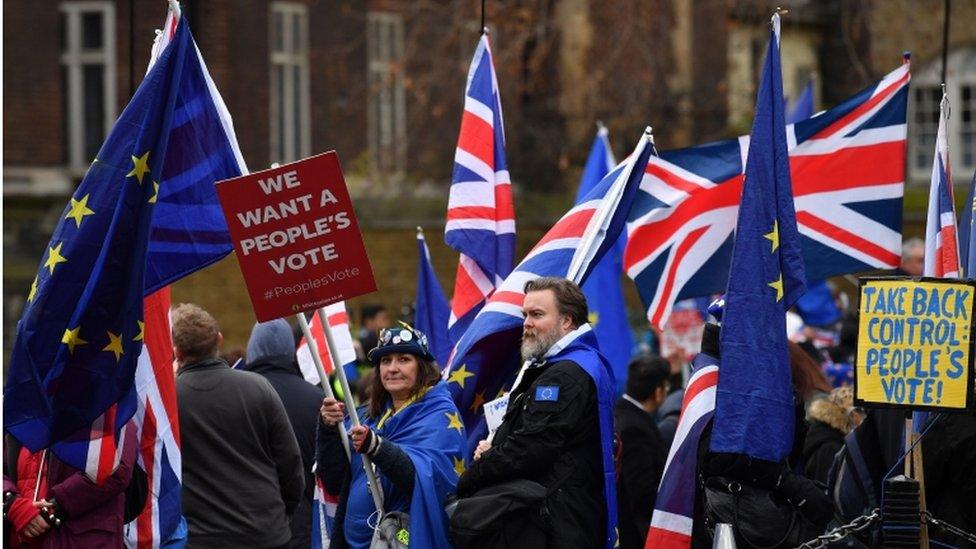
[{"x": 381, "y": 82}]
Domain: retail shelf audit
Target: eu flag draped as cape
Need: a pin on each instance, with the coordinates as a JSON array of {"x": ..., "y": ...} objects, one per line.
[
  {"x": 754, "y": 402},
  {"x": 430, "y": 431},
  {"x": 581, "y": 347},
  {"x": 81, "y": 333}
]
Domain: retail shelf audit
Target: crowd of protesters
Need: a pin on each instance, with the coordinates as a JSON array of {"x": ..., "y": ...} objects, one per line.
[{"x": 255, "y": 439}]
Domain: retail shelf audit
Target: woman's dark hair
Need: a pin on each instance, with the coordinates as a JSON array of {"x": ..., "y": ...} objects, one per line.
[
  {"x": 808, "y": 377},
  {"x": 427, "y": 376}
]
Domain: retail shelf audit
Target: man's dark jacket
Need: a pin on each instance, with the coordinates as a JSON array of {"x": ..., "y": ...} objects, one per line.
[
  {"x": 642, "y": 458},
  {"x": 242, "y": 470},
  {"x": 302, "y": 401},
  {"x": 555, "y": 442}
]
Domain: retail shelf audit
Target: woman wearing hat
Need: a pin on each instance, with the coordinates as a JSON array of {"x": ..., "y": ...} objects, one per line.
[{"x": 414, "y": 436}]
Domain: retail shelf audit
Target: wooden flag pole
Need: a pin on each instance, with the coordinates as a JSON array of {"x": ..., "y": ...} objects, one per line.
[
  {"x": 317, "y": 359},
  {"x": 374, "y": 485}
]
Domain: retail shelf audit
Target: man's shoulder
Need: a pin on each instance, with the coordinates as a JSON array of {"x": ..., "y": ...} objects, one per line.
[{"x": 566, "y": 369}]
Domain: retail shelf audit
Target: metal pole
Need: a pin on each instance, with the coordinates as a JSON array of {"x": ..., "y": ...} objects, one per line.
[
  {"x": 483, "y": 16},
  {"x": 945, "y": 37},
  {"x": 313, "y": 348},
  {"x": 374, "y": 485}
]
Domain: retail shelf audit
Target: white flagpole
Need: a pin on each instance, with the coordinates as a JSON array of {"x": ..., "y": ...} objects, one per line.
[
  {"x": 314, "y": 349},
  {"x": 374, "y": 485}
]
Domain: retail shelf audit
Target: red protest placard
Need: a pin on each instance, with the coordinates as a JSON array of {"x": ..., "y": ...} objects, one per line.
[{"x": 296, "y": 236}]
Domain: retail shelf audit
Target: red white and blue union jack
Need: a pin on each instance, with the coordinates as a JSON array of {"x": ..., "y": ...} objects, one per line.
[
  {"x": 480, "y": 212},
  {"x": 848, "y": 173},
  {"x": 941, "y": 240},
  {"x": 674, "y": 507},
  {"x": 486, "y": 359}
]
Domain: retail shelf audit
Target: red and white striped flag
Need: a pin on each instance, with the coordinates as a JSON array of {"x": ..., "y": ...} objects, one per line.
[{"x": 339, "y": 322}]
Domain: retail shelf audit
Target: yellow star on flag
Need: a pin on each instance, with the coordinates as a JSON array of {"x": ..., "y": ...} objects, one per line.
[
  {"x": 79, "y": 209},
  {"x": 454, "y": 421},
  {"x": 479, "y": 401},
  {"x": 458, "y": 376},
  {"x": 142, "y": 331},
  {"x": 54, "y": 257},
  {"x": 778, "y": 286},
  {"x": 458, "y": 466},
  {"x": 72, "y": 338},
  {"x": 152, "y": 199},
  {"x": 773, "y": 237},
  {"x": 140, "y": 165},
  {"x": 33, "y": 290},
  {"x": 114, "y": 345}
]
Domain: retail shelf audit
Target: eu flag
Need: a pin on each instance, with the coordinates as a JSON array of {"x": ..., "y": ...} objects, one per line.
[
  {"x": 81, "y": 333},
  {"x": 432, "y": 312},
  {"x": 803, "y": 108},
  {"x": 754, "y": 401},
  {"x": 604, "y": 293},
  {"x": 966, "y": 257}
]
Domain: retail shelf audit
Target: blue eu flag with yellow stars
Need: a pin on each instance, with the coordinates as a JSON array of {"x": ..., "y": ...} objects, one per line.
[
  {"x": 80, "y": 335},
  {"x": 754, "y": 403}
]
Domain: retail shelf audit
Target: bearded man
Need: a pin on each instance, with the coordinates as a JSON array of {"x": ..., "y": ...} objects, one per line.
[{"x": 558, "y": 426}]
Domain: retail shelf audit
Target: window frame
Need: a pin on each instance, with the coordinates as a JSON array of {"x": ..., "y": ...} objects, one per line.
[
  {"x": 386, "y": 131},
  {"x": 296, "y": 133},
  {"x": 929, "y": 78},
  {"x": 73, "y": 59}
]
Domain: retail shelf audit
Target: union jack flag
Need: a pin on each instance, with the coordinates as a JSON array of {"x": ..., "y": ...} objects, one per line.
[
  {"x": 339, "y": 322},
  {"x": 489, "y": 350},
  {"x": 158, "y": 428},
  {"x": 480, "y": 212},
  {"x": 941, "y": 241},
  {"x": 848, "y": 173},
  {"x": 188, "y": 233},
  {"x": 674, "y": 508}
]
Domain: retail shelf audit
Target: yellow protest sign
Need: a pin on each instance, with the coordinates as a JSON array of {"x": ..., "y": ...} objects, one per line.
[{"x": 914, "y": 343}]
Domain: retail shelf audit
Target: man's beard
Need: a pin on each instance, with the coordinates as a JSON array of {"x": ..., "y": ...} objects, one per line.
[{"x": 536, "y": 347}]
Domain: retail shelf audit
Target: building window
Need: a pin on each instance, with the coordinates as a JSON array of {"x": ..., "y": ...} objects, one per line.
[
  {"x": 88, "y": 69},
  {"x": 926, "y": 93},
  {"x": 387, "y": 113},
  {"x": 291, "y": 126}
]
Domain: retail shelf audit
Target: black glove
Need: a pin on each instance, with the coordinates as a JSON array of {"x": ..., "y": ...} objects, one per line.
[
  {"x": 51, "y": 515},
  {"x": 370, "y": 444}
]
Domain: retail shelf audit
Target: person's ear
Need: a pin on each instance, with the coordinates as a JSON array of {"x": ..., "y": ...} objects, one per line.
[
  {"x": 220, "y": 339},
  {"x": 566, "y": 323}
]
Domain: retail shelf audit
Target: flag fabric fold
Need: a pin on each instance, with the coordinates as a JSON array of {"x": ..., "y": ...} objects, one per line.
[
  {"x": 941, "y": 239},
  {"x": 848, "y": 172},
  {"x": 431, "y": 310},
  {"x": 967, "y": 259},
  {"x": 674, "y": 507},
  {"x": 803, "y": 108},
  {"x": 339, "y": 322},
  {"x": 70, "y": 383},
  {"x": 484, "y": 363},
  {"x": 603, "y": 289},
  {"x": 754, "y": 413},
  {"x": 480, "y": 212}
]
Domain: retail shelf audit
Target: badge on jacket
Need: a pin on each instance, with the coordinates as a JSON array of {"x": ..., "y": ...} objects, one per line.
[{"x": 546, "y": 393}]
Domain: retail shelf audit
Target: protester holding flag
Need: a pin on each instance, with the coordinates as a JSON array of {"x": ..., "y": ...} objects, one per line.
[
  {"x": 49, "y": 503},
  {"x": 558, "y": 423},
  {"x": 271, "y": 353},
  {"x": 242, "y": 470},
  {"x": 414, "y": 436}
]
